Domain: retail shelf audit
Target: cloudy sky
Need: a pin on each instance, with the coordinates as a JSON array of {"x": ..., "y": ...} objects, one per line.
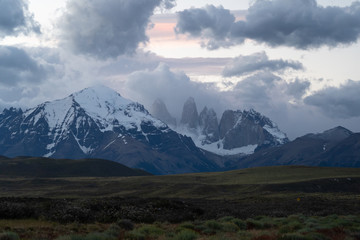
[{"x": 295, "y": 61}]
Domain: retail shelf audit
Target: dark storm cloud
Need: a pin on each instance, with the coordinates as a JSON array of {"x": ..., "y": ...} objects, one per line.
[
  {"x": 298, "y": 88},
  {"x": 107, "y": 29},
  {"x": 243, "y": 65},
  {"x": 212, "y": 23},
  {"x": 17, "y": 66},
  {"x": 341, "y": 102},
  {"x": 301, "y": 24},
  {"x": 15, "y": 18}
]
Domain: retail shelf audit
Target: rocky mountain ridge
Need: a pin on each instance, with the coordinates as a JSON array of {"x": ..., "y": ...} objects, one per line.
[
  {"x": 159, "y": 110},
  {"x": 98, "y": 123},
  {"x": 238, "y": 132}
]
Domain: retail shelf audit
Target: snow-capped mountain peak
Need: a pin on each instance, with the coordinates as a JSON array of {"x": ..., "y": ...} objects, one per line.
[
  {"x": 100, "y": 100},
  {"x": 109, "y": 109},
  {"x": 103, "y": 105},
  {"x": 82, "y": 114}
]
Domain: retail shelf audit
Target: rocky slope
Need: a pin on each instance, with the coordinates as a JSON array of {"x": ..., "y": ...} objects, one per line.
[
  {"x": 238, "y": 132},
  {"x": 190, "y": 116},
  {"x": 159, "y": 110}
]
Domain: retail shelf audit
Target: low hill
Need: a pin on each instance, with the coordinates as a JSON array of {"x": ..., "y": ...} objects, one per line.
[
  {"x": 57, "y": 168},
  {"x": 337, "y": 147},
  {"x": 346, "y": 153}
]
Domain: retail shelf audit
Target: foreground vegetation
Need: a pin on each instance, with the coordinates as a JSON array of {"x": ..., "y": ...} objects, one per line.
[
  {"x": 270, "y": 203},
  {"x": 293, "y": 227}
]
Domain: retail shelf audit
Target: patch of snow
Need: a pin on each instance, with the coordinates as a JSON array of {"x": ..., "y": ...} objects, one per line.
[
  {"x": 215, "y": 147},
  {"x": 36, "y": 118},
  {"x": 109, "y": 144},
  {"x": 218, "y": 148},
  {"x": 280, "y": 136},
  {"x": 49, "y": 154},
  {"x": 239, "y": 118},
  {"x": 85, "y": 150},
  {"x": 50, "y": 146},
  {"x": 146, "y": 136}
]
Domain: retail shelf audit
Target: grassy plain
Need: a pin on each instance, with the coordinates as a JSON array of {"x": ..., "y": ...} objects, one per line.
[
  {"x": 287, "y": 202},
  {"x": 232, "y": 185}
]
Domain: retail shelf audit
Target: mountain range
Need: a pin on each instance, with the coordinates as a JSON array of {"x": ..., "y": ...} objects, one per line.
[{"x": 99, "y": 123}]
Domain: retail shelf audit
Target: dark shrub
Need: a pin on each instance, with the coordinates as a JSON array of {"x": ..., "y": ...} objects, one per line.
[
  {"x": 16, "y": 210},
  {"x": 188, "y": 225},
  {"x": 294, "y": 236},
  {"x": 186, "y": 234},
  {"x": 9, "y": 236},
  {"x": 125, "y": 224},
  {"x": 240, "y": 223},
  {"x": 317, "y": 236},
  {"x": 254, "y": 224}
]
